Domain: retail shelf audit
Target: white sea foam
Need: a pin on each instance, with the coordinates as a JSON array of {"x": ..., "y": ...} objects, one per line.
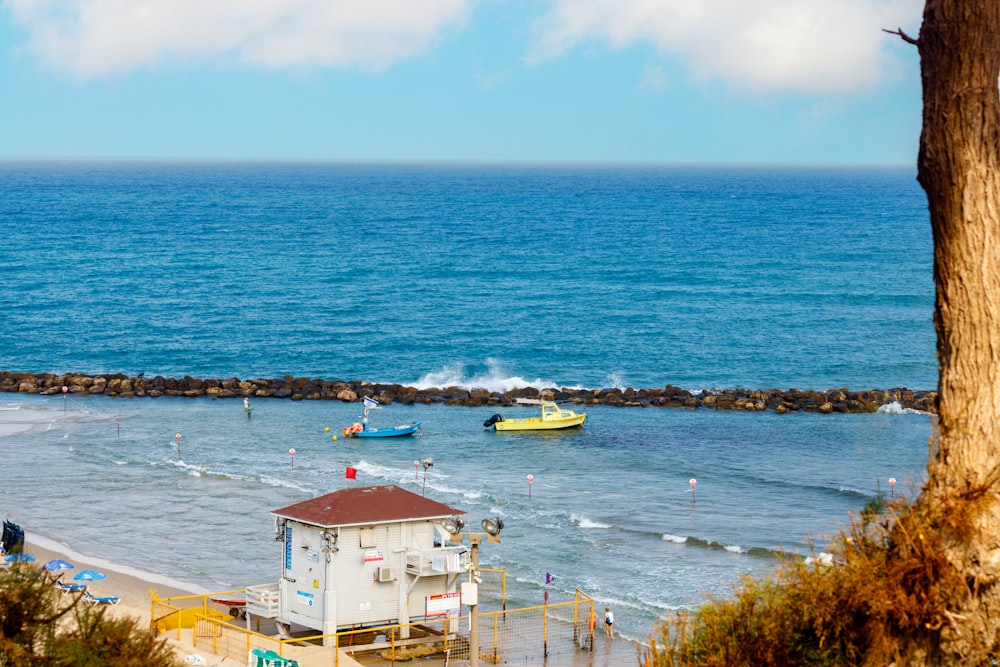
[
  {"x": 495, "y": 378},
  {"x": 733, "y": 548},
  {"x": 614, "y": 381},
  {"x": 584, "y": 522},
  {"x": 895, "y": 408},
  {"x": 284, "y": 483},
  {"x": 676, "y": 539},
  {"x": 431, "y": 482},
  {"x": 430, "y": 479},
  {"x": 821, "y": 558}
]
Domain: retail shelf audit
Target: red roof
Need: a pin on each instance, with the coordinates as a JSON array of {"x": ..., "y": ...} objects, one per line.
[{"x": 365, "y": 505}]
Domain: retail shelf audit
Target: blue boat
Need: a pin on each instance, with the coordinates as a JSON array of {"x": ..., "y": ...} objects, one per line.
[
  {"x": 363, "y": 430},
  {"x": 389, "y": 431}
]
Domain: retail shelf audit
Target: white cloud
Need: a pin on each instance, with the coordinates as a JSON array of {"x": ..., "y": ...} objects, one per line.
[
  {"x": 811, "y": 46},
  {"x": 100, "y": 37}
]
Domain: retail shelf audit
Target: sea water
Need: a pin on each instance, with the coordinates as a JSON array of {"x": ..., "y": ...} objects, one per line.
[
  {"x": 478, "y": 276},
  {"x": 588, "y": 277}
]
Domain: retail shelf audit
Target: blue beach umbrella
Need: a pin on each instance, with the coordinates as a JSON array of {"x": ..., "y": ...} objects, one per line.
[
  {"x": 20, "y": 558},
  {"x": 89, "y": 575},
  {"x": 57, "y": 564}
]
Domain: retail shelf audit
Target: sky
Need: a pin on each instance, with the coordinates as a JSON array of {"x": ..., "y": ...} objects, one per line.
[{"x": 783, "y": 82}]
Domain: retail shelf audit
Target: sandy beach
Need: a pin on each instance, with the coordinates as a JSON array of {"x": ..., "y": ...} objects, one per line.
[{"x": 130, "y": 585}]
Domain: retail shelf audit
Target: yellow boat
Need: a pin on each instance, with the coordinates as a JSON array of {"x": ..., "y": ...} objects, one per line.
[{"x": 553, "y": 417}]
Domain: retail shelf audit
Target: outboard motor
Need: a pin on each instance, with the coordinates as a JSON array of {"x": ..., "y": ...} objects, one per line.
[{"x": 493, "y": 420}]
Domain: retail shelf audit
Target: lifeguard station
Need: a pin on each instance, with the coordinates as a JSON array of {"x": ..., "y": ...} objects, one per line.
[
  {"x": 362, "y": 557},
  {"x": 378, "y": 570}
]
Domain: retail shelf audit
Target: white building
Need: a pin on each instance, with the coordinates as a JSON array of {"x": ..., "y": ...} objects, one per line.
[{"x": 362, "y": 557}]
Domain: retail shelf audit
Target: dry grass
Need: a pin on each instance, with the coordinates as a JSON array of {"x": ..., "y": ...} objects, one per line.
[{"x": 889, "y": 590}]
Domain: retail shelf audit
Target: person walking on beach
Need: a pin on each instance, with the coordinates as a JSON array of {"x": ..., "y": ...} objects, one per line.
[{"x": 609, "y": 622}]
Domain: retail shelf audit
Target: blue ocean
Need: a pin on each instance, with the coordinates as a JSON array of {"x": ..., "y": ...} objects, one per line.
[{"x": 491, "y": 276}]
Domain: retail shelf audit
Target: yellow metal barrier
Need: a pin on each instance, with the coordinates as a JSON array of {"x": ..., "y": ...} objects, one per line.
[
  {"x": 526, "y": 635},
  {"x": 179, "y": 612}
]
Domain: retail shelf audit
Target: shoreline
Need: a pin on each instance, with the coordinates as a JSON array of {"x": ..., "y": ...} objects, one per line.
[
  {"x": 130, "y": 584},
  {"x": 118, "y": 385},
  {"x": 133, "y": 586}
]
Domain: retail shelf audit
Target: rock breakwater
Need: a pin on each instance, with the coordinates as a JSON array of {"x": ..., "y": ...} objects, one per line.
[{"x": 306, "y": 389}]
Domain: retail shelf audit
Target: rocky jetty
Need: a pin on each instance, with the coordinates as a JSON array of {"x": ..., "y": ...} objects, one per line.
[{"x": 305, "y": 389}]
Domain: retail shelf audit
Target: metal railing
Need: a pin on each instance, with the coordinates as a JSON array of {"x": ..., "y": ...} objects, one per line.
[{"x": 525, "y": 635}]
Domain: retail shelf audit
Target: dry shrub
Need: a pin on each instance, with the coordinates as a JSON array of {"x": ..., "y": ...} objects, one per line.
[
  {"x": 888, "y": 589},
  {"x": 39, "y": 625}
]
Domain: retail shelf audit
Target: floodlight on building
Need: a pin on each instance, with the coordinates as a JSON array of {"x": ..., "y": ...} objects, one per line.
[
  {"x": 492, "y": 526},
  {"x": 453, "y": 525}
]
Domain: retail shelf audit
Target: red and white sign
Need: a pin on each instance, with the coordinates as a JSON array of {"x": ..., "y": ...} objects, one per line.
[
  {"x": 374, "y": 555},
  {"x": 441, "y": 605}
]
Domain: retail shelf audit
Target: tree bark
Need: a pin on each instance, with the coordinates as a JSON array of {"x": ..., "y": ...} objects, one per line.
[{"x": 959, "y": 169}]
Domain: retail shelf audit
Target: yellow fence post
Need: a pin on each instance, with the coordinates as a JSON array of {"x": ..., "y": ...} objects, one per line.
[
  {"x": 576, "y": 613},
  {"x": 545, "y": 631},
  {"x": 496, "y": 637}
]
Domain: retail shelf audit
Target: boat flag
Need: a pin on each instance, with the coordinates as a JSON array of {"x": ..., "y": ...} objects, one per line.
[
  {"x": 549, "y": 578},
  {"x": 370, "y": 402},
  {"x": 351, "y": 473}
]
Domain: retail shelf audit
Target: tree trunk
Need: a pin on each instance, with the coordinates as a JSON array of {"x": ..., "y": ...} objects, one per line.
[{"x": 959, "y": 169}]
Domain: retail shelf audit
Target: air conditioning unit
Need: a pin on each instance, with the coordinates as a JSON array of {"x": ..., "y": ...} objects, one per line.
[{"x": 384, "y": 573}]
